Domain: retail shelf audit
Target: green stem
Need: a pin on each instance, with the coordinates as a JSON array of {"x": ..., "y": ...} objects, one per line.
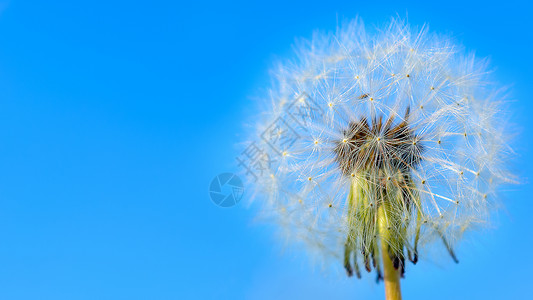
[{"x": 391, "y": 275}]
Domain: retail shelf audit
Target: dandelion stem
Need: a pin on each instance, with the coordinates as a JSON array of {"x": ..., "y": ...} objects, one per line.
[{"x": 391, "y": 275}]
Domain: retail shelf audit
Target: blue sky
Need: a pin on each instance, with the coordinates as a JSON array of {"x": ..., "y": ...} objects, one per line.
[{"x": 116, "y": 115}]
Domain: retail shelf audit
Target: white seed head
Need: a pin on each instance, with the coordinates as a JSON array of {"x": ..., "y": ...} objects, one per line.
[{"x": 410, "y": 137}]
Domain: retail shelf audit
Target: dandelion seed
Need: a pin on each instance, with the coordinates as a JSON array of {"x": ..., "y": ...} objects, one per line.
[{"x": 397, "y": 191}]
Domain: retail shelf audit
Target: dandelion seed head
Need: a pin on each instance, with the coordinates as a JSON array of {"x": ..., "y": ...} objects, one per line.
[{"x": 354, "y": 126}]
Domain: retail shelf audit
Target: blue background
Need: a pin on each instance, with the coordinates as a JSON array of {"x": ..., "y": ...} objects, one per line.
[{"x": 116, "y": 115}]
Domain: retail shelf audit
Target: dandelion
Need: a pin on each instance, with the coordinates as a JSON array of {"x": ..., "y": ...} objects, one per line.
[{"x": 381, "y": 145}]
